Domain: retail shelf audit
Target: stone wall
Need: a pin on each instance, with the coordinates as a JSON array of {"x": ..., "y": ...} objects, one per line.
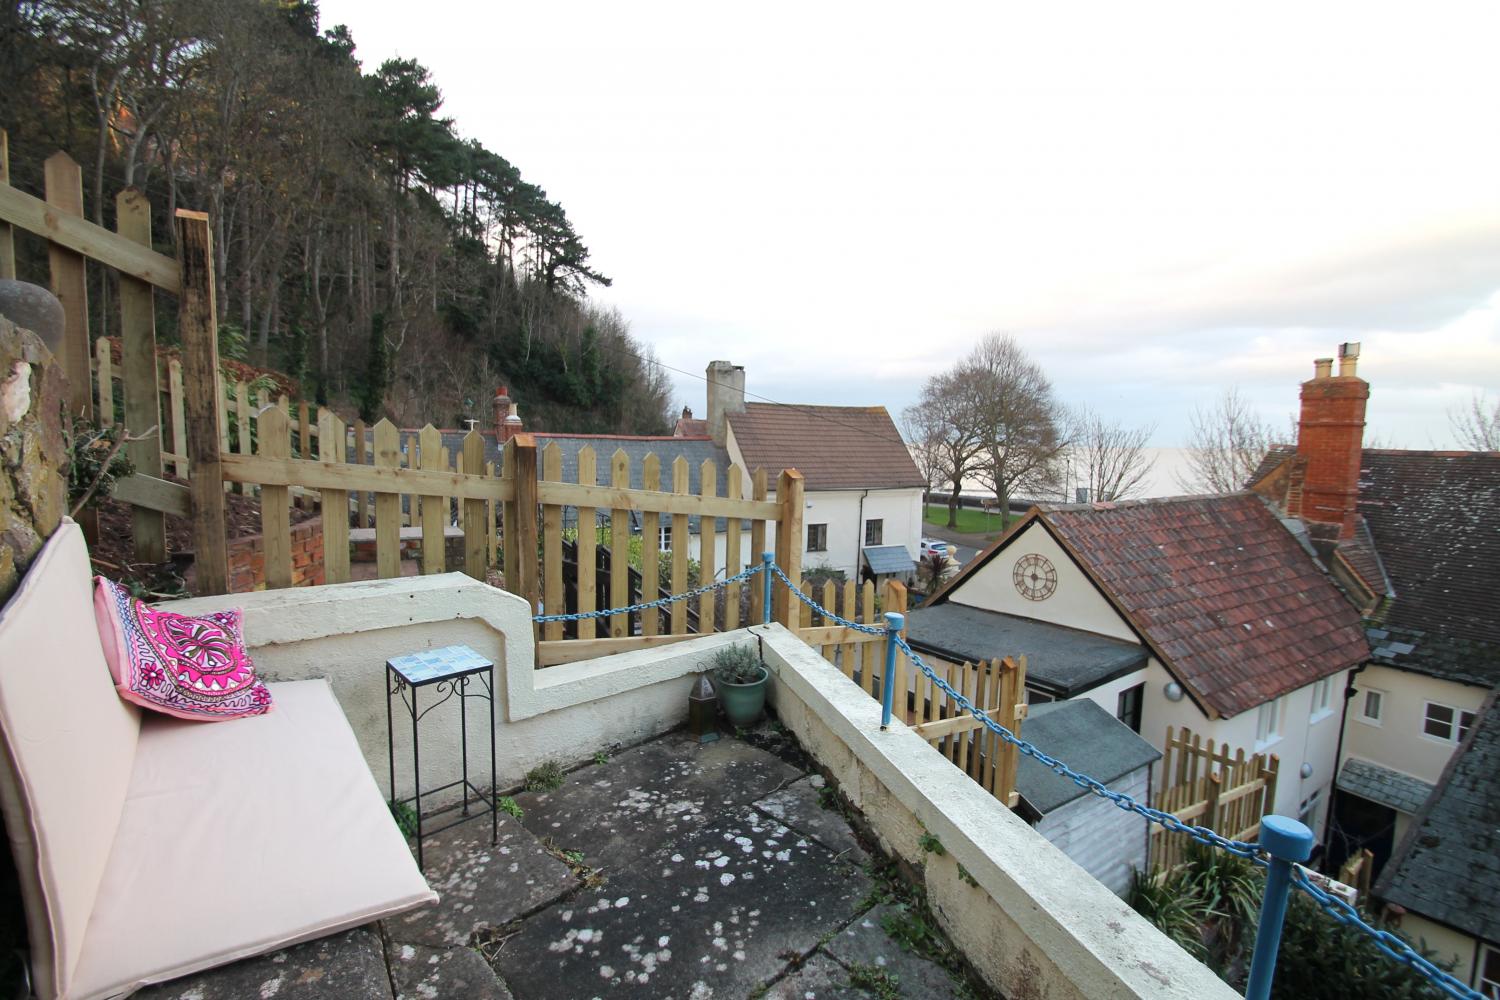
[
  {"x": 33, "y": 452},
  {"x": 247, "y": 558}
]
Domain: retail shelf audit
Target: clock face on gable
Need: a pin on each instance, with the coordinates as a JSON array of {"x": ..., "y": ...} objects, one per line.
[{"x": 1035, "y": 577}]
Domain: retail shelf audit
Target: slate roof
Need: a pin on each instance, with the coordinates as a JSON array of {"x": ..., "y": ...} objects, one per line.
[
  {"x": 1434, "y": 517},
  {"x": 886, "y": 559},
  {"x": 834, "y": 447},
  {"x": 1089, "y": 739},
  {"x": 1236, "y": 608},
  {"x": 1382, "y": 785},
  {"x": 1447, "y": 867},
  {"x": 1060, "y": 661}
]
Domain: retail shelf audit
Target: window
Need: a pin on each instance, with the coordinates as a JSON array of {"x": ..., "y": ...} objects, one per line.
[
  {"x": 1128, "y": 708},
  {"x": 874, "y": 531},
  {"x": 1268, "y": 723},
  {"x": 1307, "y": 812},
  {"x": 1371, "y": 705},
  {"x": 1489, "y": 973},
  {"x": 1322, "y": 698},
  {"x": 817, "y": 538},
  {"x": 666, "y": 538},
  {"x": 1439, "y": 720}
]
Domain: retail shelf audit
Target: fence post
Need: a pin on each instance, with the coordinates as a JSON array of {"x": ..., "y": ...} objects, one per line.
[
  {"x": 1287, "y": 841},
  {"x": 7, "y": 243},
  {"x": 198, "y": 327},
  {"x": 524, "y": 537},
  {"x": 139, "y": 375},
  {"x": 766, "y": 560},
  {"x": 63, "y": 180},
  {"x": 789, "y": 494},
  {"x": 894, "y": 622}
]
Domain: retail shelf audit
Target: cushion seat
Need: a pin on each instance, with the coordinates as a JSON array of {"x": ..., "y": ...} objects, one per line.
[{"x": 241, "y": 837}]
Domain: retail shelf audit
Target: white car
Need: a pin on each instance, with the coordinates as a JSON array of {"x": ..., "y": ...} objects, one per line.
[{"x": 935, "y": 546}]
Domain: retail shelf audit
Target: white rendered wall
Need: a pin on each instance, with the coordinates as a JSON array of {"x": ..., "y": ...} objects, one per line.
[
  {"x": 1076, "y": 603},
  {"x": 1398, "y": 741}
]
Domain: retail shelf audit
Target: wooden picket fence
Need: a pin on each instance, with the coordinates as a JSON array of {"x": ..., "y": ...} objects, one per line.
[{"x": 1208, "y": 785}]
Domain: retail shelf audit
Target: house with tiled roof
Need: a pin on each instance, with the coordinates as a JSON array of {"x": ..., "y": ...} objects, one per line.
[
  {"x": 1202, "y": 612},
  {"x": 863, "y": 490},
  {"x": 1411, "y": 537}
]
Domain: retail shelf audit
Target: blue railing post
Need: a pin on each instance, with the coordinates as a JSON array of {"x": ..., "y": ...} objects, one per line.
[
  {"x": 894, "y": 622},
  {"x": 1287, "y": 841},
  {"x": 766, "y": 558}
]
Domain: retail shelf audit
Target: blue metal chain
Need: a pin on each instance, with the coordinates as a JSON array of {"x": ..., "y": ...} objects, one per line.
[
  {"x": 649, "y": 605},
  {"x": 828, "y": 616},
  {"x": 1389, "y": 943},
  {"x": 1202, "y": 834}
]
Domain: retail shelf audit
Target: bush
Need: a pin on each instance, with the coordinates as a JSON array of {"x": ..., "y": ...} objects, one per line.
[{"x": 737, "y": 664}]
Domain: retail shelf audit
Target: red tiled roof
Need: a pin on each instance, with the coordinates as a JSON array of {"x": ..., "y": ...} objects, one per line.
[
  {"x": 690, "y": 427},
  {"x": 834, "y": 447},
  {"x": 1226, "y": 595}
]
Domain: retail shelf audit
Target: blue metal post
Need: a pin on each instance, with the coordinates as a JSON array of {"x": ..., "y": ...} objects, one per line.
[
  {"x": 893, "y": 625},
  {"x": 766, "y": 558},
  {"x": 1287, "y": 841}
]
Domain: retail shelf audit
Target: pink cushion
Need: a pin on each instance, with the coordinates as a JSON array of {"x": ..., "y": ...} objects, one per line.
[{"x": 191, "y": 668}]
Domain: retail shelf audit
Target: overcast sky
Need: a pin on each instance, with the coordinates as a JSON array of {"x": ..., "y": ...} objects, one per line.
[{"x": 1157, "y": 200}]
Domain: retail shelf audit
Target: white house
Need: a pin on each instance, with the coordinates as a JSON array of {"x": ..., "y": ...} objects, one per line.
[
  {"x": 1203, "y": 612},
  {"x": 864, "y": 493}
]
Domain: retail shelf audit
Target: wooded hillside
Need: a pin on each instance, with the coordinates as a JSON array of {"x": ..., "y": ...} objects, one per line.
[{"x": 364, "y": 246}]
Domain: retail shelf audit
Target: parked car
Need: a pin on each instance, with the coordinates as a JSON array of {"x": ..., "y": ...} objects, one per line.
[{"x": 935, "y": 546}]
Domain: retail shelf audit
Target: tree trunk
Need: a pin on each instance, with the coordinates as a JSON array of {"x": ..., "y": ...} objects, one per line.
[{"x": 953, "y": 501}]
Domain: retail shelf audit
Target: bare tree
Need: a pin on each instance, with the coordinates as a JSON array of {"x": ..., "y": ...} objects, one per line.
[
  {"x": 1108, "y": 458},
  {"x": 944, "y": 432},
  {"x": 1478, "y": 424},
  {"x": 1019, "y": 420},
  {"x": 1225, "y": 444}
]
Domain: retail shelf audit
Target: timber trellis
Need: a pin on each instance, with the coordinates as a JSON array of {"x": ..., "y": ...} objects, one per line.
[{"x": 1208, "y": 786}]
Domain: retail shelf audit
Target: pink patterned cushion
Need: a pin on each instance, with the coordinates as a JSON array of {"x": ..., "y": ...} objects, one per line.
[{"x": 192, "y": 668}]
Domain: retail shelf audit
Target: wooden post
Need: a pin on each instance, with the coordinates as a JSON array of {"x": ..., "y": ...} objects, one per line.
[
  {"x": 387, "y": 505},
  {"x": 510, "y": 553},
  {"x": 434, "y": 508},
  {"x": 7, "y": 243},
  {"x": 586, "y": 547},
  {"x": 680, "y": 543},
  {"x": 176, "y": 399},
  {"x": 758, "y": 546},
  {"x": 335, "y": 502},
  {"x": 275, "y": 502},
  {"x": 198, "y": 327},
  {"x": 475, "y": 537},
  {"x": 138, "y": 373},
  {"x": 790, "y": 497},
  {"x": 619, "y": 547},
  {"x": 733, "y": 564},
  {"x": 554, "y": 599},
  {"x": 104, "y": 376},
  {"x": 708, "y": 486},
  {"x": 895, "y": 600},
  {"x": 650, "y": 547},
  {"x": 522, "y": 537},
  {"x": 64, "y": 186}
]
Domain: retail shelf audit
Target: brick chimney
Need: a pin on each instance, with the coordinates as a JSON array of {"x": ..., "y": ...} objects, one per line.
[
  {"x": 507, "y": 422},
  {"x": 726, "y": 395},
  {"x": 1330, "y": 439}
]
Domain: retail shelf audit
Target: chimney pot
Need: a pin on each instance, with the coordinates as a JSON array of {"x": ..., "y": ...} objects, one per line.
[
  {"x": 1322, "y": 367},
  {"x": 1348, "y": 358}
]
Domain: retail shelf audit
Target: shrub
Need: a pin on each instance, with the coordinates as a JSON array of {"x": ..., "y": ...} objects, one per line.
[{"x": 737, "y": 664}]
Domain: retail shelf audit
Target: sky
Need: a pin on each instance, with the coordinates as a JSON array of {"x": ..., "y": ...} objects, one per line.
[{"x": 1158, "y": 201}]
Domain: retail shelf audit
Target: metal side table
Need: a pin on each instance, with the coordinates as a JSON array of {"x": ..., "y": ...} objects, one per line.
[{"x": 450, "y": 671}]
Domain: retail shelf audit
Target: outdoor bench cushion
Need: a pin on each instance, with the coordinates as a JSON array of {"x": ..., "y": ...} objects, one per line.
[{"x": 150, "y": 848}]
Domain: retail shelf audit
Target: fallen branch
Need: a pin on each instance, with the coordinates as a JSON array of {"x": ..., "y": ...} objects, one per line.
[{"x": 125, "y": 438}]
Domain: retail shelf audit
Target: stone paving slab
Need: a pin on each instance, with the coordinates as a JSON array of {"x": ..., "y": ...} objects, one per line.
[
  {"x": 799, "y": 806},
  {"x": 479, "y": 884},
  {"x": 650, "y": 795},
  {"x": 348, "y": 966},
  {"x": 443, "y": 974},
  {"x": 820, "y": 978},
  {"x": 715, "y": 915},
  {"x": 865, "y": 942}
]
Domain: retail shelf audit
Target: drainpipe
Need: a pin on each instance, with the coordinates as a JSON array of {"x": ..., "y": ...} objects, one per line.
[
  {"x": 1338, "y": 751},
  {"x": 859, "y": 533}
]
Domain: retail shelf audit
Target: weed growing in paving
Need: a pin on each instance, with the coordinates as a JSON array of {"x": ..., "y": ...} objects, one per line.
[
  {"x": 405, "y": 817},
  {"x": 547, "y": 776},
  {"x": 883, "y": 984},
  {"x": 600, "y": 757},
  {"x": 509, "y": 806}
]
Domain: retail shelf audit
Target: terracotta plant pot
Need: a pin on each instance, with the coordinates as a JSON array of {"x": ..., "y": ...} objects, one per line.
[{"x": 743, "y": 703}]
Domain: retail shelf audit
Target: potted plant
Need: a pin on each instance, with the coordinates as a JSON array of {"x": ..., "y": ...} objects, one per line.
[{"x": 740, "y": 679}]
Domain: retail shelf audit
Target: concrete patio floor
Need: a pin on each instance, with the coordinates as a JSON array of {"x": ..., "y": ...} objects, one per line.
[{"x": 670, "y": 870}]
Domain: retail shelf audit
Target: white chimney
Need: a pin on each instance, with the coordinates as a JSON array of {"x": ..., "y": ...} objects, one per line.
[{"x": 726, "y": 395}]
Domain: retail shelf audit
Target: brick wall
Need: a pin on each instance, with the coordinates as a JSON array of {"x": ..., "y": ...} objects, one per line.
[
  {"x": 1330, "y": 441},
  {"x": 247, "y": 558}
]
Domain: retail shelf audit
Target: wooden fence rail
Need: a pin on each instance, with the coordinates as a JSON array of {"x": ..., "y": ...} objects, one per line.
[{"x": 1210, "y": 786}]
